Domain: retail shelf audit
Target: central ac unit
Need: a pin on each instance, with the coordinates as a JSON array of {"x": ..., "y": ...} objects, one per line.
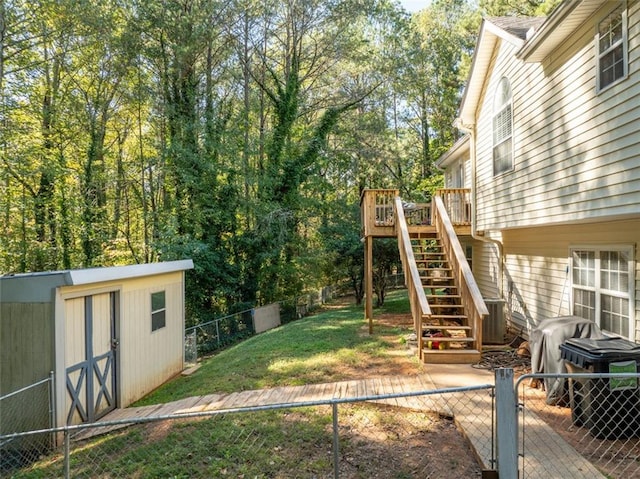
[{"x": 494, "y": 326}]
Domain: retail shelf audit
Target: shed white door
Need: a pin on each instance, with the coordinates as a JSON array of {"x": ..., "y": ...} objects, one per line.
[{"x": 90, "y": 325}]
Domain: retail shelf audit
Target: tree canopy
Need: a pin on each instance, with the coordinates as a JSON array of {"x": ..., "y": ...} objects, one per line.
[{"x": 238, "y": 133}]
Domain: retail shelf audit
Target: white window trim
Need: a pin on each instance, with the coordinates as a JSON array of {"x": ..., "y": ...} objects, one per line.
[
  {"x": 629, "y": 249},
  {"x": 494, "y": 115},
  {"x": 625, "y": 48}
]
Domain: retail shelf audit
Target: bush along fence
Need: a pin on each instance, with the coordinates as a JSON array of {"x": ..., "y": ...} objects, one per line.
[{"x": 208, "y": 337}]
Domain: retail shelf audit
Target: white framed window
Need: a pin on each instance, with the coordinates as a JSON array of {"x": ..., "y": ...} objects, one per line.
[
  {"x": 602, "y": 287},
  {"x": 611, "y": 47},
  {"x": 502, "y": 128},
  {"x": 158, "y": 311}
]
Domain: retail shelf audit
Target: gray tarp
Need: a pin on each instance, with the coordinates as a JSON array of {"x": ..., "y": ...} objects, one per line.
[{"x": 545, "y": 341}]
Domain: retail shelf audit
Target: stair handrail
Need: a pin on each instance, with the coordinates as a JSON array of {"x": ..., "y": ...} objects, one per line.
[
  {"x": 471, "y": 296},
  {"x": 417, "y": 298}
]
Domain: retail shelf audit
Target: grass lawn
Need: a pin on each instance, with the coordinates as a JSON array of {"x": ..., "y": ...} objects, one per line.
[
  {"x": 375, "y": 440},
  {"x": 333, "y": 345}
]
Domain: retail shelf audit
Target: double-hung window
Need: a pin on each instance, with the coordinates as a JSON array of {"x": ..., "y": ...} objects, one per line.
[
  {"x": 611, "y": 42},
  {"x": 602, "y": 287},
  {"x": 502, "y": 128}
]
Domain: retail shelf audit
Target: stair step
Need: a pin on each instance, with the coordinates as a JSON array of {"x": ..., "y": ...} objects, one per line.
[
  {"x": 443, "y": 296},
  {"x": 446, "y": 327},
  {"x": 445, "y": 305},
  {"x": 429, "y": 280},
  {"x": 448, "y": 316},
  {"x": 448, "y": 339},
  {"x": 450, "y": 356}
]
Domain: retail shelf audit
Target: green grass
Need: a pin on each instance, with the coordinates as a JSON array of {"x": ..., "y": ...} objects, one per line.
[
  {"x": 328, "y": 346},
  {"x": 315, "y": 349}
]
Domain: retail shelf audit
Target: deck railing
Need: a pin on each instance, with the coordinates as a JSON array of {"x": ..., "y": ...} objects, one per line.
[
  {"x": 472, "y": 301},
  {"x": 379, "y": 218},
  {"x": 457, "y": 202},
  {"x": 417, "y": 214},
  {"x": 420, "y": 309},
  {"x": 376, "y": 209}
]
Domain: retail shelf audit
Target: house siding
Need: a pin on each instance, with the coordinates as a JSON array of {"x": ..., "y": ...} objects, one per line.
[
  {"x": 486, "y": 268},
  {"x": 537, "y": 284},
  {"x": 576, "y": 151}
]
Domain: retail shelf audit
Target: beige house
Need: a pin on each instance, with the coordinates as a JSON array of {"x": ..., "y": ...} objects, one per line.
[
  {"x": 109, "y": 335},
  {"x": 552, "y": 158}
]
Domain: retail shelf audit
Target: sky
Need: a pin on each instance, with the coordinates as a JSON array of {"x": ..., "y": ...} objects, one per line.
[{"x": 414, "y": 5}]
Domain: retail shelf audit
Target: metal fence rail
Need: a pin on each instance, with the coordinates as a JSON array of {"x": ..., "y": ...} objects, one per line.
[
  {"x": 393, "y": 435},
  {"x": 590, "y": 429}
]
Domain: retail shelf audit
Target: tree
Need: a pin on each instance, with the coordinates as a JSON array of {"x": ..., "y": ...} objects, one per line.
[
  {"x": 440, "y": 46},
  {"x": 386, "y": 261},
  {"x": 343, "y": 248},
  {"x": 240, "y": 134},
  {"x": 517, "y": 7}
]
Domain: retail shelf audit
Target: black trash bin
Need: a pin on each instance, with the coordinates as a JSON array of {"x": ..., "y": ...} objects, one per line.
[{"x": 609, "y": 407}]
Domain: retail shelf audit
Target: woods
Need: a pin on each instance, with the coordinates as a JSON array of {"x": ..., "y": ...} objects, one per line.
[{"x": 238, "y": 133}]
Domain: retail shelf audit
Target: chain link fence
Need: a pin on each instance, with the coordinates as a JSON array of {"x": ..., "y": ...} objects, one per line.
[
  {"x": 386, "y": 436},
  {"x": 26, "y": 409},
  {"x": 210, "y": 336},
  {"x": 591, "y": 429}
]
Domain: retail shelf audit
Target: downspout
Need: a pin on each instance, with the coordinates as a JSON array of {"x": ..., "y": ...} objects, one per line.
[{"x": 471, "y": 130}]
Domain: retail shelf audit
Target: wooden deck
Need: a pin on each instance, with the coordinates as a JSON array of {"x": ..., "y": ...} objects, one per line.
[{"x": 294, "y": 395}]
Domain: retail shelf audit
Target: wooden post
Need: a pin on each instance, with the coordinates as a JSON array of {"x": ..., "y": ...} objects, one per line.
[{"x": 368, "y": 280}]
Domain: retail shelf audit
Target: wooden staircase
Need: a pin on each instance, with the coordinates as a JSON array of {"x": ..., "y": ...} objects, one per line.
[
  {"x": 446, "y": 335},
  {"x": 447, "y": 307}
]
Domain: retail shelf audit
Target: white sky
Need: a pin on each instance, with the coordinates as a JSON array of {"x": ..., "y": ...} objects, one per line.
[{"x": 414, "y": 5}]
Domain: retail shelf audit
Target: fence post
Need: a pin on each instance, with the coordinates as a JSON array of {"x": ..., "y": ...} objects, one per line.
[
  {"x": 336, "y": 442},
  {"x": 507, "y": 423},
  {"x": 67, "y": 454},
  {"x": 52, "y": 405}
]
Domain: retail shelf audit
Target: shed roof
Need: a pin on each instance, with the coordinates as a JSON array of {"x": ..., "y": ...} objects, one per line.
[{"x": 38, "y": 287}]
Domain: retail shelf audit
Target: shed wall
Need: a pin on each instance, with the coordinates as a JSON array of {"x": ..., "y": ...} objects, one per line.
[
  {"x": 145, "y": 359},
  {"x": 26, "y": 357},
  {"x": 150, "y": 358}
]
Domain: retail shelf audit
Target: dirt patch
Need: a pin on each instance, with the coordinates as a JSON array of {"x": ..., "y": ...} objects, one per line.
[{"x": 407, "y": 443}]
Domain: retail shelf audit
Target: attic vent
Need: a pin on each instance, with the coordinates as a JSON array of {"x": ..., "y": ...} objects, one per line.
[{"x": 494, "y": 327}]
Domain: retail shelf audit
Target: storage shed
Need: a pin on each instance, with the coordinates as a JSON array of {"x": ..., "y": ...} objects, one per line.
[{"x": 109, "y": 335}]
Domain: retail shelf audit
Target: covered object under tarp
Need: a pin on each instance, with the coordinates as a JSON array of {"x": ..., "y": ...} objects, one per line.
[{"x": 545, "y": 341}]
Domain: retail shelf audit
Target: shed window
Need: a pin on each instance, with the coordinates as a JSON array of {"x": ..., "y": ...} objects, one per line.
[
  {"x": 502, "y": 128},
  {"x": 612, "y": 47},
  {"x": 602, "y": 287},
  {"x": 158, "y": 311}
]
